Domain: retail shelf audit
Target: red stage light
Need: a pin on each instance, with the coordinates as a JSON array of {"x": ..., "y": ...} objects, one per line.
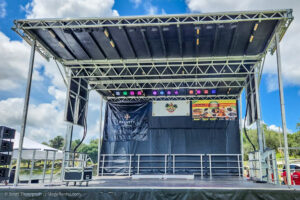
[
  {"x": 205, "y": 91},
  {"x": 191, "y": 91}
]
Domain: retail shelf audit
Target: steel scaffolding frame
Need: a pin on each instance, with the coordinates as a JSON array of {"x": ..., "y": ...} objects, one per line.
[
  {"x": 22, "y": 27},
  {"x": 195, "y": 72}
]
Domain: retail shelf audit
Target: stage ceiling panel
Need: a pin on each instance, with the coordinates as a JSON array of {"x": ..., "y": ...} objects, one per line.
[{"x": 167, "y": 52}]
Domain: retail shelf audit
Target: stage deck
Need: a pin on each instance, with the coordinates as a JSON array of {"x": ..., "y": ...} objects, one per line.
[{"x": 126, "y": 188}]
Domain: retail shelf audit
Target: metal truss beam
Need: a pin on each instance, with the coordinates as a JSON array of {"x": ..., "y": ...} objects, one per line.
[
  {"x": 166, "y": 60},
  {"x": 158, "y": 69},
  {"x": 165, "y": 84},
  {"x": 222, "y": 17},
  {"x": 190, "y": 97}
]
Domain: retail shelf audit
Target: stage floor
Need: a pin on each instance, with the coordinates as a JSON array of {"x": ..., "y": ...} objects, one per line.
[{"x": 126, "y": 188}]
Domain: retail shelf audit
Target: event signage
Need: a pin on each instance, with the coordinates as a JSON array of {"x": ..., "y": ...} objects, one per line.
[
  {"x": 214, "y": 109},
  {"x": 170, "y": 108},
  {"x": 126, "y": 122}
]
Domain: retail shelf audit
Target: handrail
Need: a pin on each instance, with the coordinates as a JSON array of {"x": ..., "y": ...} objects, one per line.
[{"x": 204, "y": 164}]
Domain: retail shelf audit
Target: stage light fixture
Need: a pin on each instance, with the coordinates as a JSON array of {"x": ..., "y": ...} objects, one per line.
[
  {"x": 139, "y": 93},
  {"x": 118, "y": 93},
  {"x": 131, "y": 93},
  {"x": 176, "y": 92},
  {"x": 213, "y": 91},
  {"x": 191, "y": 92},
  {"x": 125, "y": 93},
  {"x": 205, "y": 91},
  {"x": 198, "y": 92},
  {"x": 154, "y": 93},
  {"x": 169, "y": 92},
  {"x": 162, "y": 92}
]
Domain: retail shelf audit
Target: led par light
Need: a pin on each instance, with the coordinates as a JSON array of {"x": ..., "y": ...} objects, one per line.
[
  {"x": 213, "y": 91},
  {"x": 169, "y": 92},
  {"x": 117, "y": 93},
  {"x": 125, "y": 93},
  {"x": 139, "y": 93},
  {"x": 162, "y": 92},
  {"x": 176, "y": 92},
  {"x": 198, "y": 92},
  {"x": 191, "y": 92},
  {"x": 131, "y": 93},
  {"x": 205, "y": 91},
  {"x": 154, "y": 92}
]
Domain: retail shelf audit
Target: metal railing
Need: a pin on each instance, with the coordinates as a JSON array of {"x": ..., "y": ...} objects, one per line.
[
  {"x": 197, "y": 164},
  {"x": 34, "y": 171},
  {"x": 263, "y": 167}
]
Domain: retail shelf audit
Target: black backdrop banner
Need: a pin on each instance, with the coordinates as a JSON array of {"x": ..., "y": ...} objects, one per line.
[
  {"x": 126, "y": 122},
  {"x": 164, "y": 135},
  {"x": 130, "y": 128}
]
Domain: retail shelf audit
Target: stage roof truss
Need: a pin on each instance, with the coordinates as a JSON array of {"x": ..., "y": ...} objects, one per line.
[{"x": 198, "y": 51}]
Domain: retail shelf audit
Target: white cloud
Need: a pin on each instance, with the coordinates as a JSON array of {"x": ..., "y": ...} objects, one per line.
[
  {"x": 45, "y": 120},
  {"x": 150, "y": 9},
  {"x": 278, "y": 129},
  {"x": 14, "y": 58},
  {"x": 136, "y": 3},
  {"x": 2, "y": 9},
  {"x": 289, "y": 45},
  {"x": 272, "y": 82},
  {"x": 275, "y": 128},
  {"x": 70, "y": 8}
]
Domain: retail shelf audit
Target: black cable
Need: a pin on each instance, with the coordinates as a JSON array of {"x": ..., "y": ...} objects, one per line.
[
  {"x": 84, "y": 134},
  {"x": 245, "y": 130}
]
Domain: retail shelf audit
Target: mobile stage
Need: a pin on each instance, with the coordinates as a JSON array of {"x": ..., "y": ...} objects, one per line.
[{"x": 171, "y": 89}]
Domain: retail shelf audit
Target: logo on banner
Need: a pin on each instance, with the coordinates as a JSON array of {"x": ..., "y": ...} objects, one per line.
[
  {"x": 127, "y": 116},
  {"x": 170, "y": 107}
]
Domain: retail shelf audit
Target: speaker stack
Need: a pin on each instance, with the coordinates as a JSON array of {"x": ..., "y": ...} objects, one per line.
[{"x": 6, "y": 150}]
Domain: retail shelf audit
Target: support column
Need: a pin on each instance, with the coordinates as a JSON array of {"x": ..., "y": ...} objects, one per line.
[
  {"x": 67, "y": 148},
  {"x": 25, "y": 111},
  {"x": 241, "y": 134},
  {"x": 68, "y": 137},
  {"x": 282, "y": 106},
  {"x": 101, "y": 133},
  {"x": 260, "y": 131}
]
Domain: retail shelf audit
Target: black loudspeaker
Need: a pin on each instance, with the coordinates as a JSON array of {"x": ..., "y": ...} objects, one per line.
[
  {"x": 6, "y": 149},
  {"x": 4, "y": 173},
  {"x": 6, "y": 146},
  {"x": 7, "y": 133},
  {"x": 5, "y": 159}
]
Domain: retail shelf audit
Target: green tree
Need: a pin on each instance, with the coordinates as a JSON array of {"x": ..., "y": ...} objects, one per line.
[
  {"x": 91, "y": 149},
  {"x": 57, "y": 142}
]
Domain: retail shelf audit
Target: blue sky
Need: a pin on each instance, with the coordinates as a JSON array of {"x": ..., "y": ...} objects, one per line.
[{"x": 47, "y": 97}]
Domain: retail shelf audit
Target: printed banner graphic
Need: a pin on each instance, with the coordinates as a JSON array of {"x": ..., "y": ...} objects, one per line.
[
  {"x": 214, "y": 109},
  {"x": 126, "y": 121},
  {"x": 170, "y": 108}
]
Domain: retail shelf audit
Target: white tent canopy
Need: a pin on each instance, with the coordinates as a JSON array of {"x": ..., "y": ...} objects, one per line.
[{"x": 29, "y": 146}]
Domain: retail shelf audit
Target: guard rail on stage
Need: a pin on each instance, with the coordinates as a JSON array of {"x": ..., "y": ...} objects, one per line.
[{"x": 197, "y": 164}]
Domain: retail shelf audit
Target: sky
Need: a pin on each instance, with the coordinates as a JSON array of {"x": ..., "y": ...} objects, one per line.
[{"x": 46, "y": 110}]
